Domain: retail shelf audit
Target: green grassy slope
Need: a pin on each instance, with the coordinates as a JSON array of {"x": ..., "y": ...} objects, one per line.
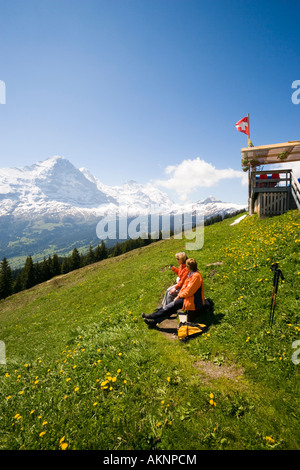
[{"x": 83, "y": 371}]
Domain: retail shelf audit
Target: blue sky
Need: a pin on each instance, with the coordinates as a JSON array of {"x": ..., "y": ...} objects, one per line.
[{"x": 148, "y": 90}]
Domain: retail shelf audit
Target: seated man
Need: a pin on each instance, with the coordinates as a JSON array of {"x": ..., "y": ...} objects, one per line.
[{"x": 190, "y": 296}]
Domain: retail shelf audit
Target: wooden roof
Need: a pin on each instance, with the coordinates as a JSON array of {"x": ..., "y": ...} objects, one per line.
[{"x": 270, "y": 154}]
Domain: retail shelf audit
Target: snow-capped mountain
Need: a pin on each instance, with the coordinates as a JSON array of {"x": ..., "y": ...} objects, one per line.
[
  {"x": 132, "y": 197},
  {"x": 52, "y": 205},
  {"x": 55, "y": 186},
  {"x": 52, "y": 186},
  {"x": 213, "y": 207}
]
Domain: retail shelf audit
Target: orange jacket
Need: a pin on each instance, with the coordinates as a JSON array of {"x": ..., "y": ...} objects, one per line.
[
  {"x": 192, "y": 292},
  {"x": 182, "y": 273}
]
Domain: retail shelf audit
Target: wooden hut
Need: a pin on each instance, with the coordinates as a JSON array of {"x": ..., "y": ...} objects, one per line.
[{"x": 271, "y": 192}]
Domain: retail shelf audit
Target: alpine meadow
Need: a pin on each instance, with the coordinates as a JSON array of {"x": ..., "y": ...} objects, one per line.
[{"x": 83, "y": 370}]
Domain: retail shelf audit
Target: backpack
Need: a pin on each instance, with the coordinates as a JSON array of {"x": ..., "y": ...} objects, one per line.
[{"x": 186, "y": 330}]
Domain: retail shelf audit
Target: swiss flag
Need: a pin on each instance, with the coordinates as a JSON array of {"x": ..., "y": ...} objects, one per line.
[{"x": 243, "y": 125}]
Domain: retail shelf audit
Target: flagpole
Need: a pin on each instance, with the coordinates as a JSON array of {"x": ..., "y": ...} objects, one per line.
[
  {"x": 249, "y": 172},
  {"x": 249, "y": 130}
]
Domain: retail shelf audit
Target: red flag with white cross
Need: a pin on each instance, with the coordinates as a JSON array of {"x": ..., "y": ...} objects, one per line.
[{"x": 243, "y": 125}]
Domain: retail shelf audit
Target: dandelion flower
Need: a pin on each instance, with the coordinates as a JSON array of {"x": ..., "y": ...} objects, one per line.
[
  {"x": 269, "y": 439},
  {"x": 42, "y": 433}
]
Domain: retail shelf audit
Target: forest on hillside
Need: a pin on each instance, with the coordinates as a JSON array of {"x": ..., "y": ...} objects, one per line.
[{"x": 33, "y": 273}]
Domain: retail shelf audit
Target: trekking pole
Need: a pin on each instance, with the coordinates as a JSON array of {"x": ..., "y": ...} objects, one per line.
[{"x": 277, "y": 274}]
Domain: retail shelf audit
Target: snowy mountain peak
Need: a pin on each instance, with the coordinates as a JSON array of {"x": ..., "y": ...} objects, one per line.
[
  {"x": 209, "y": 200},
  {"x": 132, "y": 183}
]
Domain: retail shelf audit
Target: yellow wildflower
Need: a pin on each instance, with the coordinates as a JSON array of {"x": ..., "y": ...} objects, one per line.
[{"x": 269, "y": 439}]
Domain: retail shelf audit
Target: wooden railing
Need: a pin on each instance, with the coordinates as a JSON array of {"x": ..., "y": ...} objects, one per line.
[
  {"x": 273, "y": 193},
  {"x": 295, "y": 189},
  {"x": 265, "y": 181}
]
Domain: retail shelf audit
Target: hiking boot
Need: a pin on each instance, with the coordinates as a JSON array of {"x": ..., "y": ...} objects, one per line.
[{"x": 149, "y": 321}]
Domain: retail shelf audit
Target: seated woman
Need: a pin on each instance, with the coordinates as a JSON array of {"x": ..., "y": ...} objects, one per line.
[
  {"x": 182, "y": 273},
  {"x": 190, "y": 296}
]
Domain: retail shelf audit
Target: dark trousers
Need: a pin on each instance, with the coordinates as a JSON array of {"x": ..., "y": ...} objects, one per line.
[{"x": 167, "y": 311}]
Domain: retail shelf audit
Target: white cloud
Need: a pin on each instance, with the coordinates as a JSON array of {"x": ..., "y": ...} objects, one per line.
[
  {"x": 190, "y": 175},
  {"x": 295, "y": 166}
]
